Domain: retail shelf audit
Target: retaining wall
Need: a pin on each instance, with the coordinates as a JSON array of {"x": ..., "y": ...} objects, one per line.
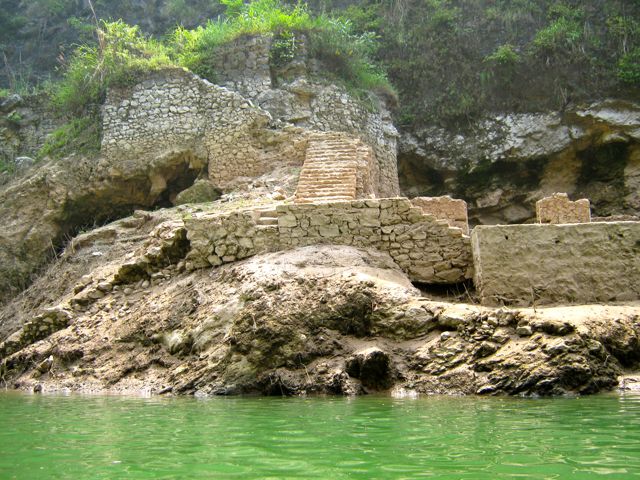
[
  {"x": 428, "y": 250},
  {"x": 541, "y": 264}
]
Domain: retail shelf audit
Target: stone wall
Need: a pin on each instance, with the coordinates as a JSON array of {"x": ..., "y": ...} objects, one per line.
[
  {"x": 243, "y": 65},
  {"x": 558, "y": 209},
  {"x": 427, "y": 249},
  {"x": 539, "y": 264},
  {"x": 25, "y": 124},
  {"x": 445, "y": 208},
  {"x": 293, "y": 95},
  {"x": 175, "y": 113}
]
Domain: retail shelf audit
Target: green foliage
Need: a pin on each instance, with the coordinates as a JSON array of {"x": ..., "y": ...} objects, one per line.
[
  {"x": 629, "y": 67},
  {"x": 562, "y": 10},
  {"x": 195, "y": 48},
  {"x": 561, "y": 34},
  {"x": 121, "y": 56},
  {"x": 443, "y": 14},
  {"x": 80, "y": 135},
  {"x": 348, "y": 56},
  {"x": 4, "y": 166},
  {"x": 504, "y": 55},
  {"x": 283, "y": 48},
  {"x": 625, "y": 29},
  {"x": 14, "y": 118}
]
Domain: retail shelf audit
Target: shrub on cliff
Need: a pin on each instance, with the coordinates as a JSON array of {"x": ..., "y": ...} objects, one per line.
[{"x": 120, "y": 56}]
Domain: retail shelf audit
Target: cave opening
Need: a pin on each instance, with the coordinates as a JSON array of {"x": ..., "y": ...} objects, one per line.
[
  {"x": 179, "y": 179},
  {"x": 419, "y": 179},
  {"x": 603, "y": 163},
  {"x": 601, "y": 178},
  {"x": 463, "y": 292}
]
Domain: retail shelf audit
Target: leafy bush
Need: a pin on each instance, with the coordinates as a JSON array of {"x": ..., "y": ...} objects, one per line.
[
  {"x": 121, "y": 56},
  {"x": 629, "y": 67},
  {"x": 283, "y": 48},
  {"x": 560, "y": 34},
  {"x": 504, "y": 55},
  {"x": 194, "y": 49}
]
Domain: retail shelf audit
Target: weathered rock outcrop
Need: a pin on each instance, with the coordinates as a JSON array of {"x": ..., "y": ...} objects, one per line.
[
  {"x": 318, "y": 319},
  {"x": 502, "y": 165},
  {"x": 24, "y": 126}
]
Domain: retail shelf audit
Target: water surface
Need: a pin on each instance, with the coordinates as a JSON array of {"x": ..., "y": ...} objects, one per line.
[{"x": 79, "y": 437}]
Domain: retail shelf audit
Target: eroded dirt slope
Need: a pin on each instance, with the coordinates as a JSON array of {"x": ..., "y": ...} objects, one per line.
[{"x": 119, "y": 312}]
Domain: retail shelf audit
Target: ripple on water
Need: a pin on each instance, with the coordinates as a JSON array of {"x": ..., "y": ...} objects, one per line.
[{"x": 368, "y": 438}]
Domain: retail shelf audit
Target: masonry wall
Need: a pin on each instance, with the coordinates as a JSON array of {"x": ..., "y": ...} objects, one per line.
[
  {"x": 25, "y": 124},
  {"x": 542, "y": 264},
  {"x": 428, "y": 250},
  {"x": 445, "y": 208},
  {"x": 174, "y": 113},
  {"x": 291, "y": 94},
  {"x": 559, "y": 209}
]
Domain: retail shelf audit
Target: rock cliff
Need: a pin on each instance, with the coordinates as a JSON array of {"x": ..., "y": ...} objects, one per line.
[{"x": 503, "y": 164}]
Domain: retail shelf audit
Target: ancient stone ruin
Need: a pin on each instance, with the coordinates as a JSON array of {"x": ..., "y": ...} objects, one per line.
[
  {"x": 347, "y": 173},
  {"x": 445, "y": 208},
  {"x": 558, "y": 209},
  {"x": 571, "y": 263},
  {"x": 180, "y": 135}
]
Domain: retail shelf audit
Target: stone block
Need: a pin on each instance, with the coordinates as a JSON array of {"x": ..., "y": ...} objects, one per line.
[
  {"x": 544, "y": 264},
  {"x": 558, "y": 209},
  {"x": 454, "y": 211},
  {"x": 329, "y": 231},
  {"x": 287, "y": 221}
]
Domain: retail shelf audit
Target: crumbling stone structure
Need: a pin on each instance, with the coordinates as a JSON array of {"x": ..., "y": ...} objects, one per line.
[
  {"x": 263, "y": 125},
  {"x": 445, "y": 208},
  {"x": 428, "y": 250},
  {"x": 558, "y": 209}
]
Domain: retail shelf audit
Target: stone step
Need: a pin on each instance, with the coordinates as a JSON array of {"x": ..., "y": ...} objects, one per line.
[
  {"x": 323, "y": 191},
  {"x": 328, "y": 184},
  {"x": 329, "y": 171},
  {"x": 268, "y": 221},
  {"x": 327, "y": 181},
  {"x": 324, "y": 199},
  {"x": 268, "y": 213},
  {"x": 326, "y": 172}
]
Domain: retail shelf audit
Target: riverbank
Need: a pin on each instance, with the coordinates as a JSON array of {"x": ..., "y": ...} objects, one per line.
[{"x": 313, "y": 320}]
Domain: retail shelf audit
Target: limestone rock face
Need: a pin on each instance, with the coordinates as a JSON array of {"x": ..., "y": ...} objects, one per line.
[
  {"x": 318, "y": 319},
  {"x": 201, "y": 191},
  {"x": 503, "y": 164}
]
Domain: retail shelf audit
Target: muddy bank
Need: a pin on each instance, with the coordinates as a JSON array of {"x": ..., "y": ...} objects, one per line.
[{"x": 315, "y": 320}]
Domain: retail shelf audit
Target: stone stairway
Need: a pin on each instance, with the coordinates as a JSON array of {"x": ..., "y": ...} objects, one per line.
[
  {"x": 268, "y": 217},
  {"x": 329, "y": 173}
]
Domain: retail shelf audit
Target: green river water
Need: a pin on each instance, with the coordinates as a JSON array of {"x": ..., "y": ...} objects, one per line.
[{"x": 79, "y": 437}]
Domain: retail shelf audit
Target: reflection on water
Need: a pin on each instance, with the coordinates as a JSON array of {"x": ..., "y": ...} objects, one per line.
[{"x": 368, "y": 438}]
